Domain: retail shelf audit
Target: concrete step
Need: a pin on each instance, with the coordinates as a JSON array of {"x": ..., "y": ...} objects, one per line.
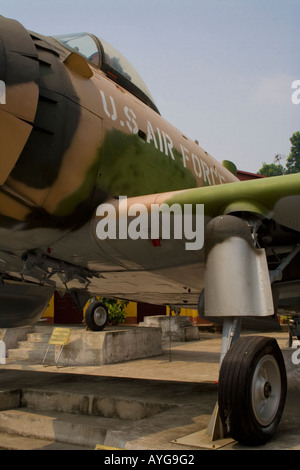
[
  {"x": 38, "y": 337},
  {"x": 13, "y": 442},
  {"x": 85, "y": 431},
  {"x": 28, "y": 354},
  {"x": 47, "y": 328},
  {"x": 82, "y": 403},
  {"x": 35, "y": 346},
  {"x": 32, "y": 345},
  {"x": 76, "y": 418}
]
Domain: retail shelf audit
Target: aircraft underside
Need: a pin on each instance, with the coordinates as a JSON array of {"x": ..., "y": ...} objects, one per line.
[
  {"x": 271, "y": 286},
  {"x": 138, "y": 270}
]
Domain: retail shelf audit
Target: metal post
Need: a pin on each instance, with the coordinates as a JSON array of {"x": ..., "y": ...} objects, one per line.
[
  {"x": 230, "y": 333},
  {"x": 2, "y": 352}
]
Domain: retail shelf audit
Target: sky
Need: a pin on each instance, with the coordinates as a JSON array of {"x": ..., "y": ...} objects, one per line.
[{"x": 221, "y": 71}]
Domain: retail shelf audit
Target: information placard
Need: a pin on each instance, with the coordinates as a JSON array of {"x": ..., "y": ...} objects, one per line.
[{"x": 60, "y": 336}]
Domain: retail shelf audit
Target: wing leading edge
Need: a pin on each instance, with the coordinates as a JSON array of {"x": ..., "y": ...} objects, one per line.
[{"x": 276, "y": 198}]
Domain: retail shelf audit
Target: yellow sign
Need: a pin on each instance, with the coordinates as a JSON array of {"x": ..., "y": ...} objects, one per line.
[{"x": 60, "y": 336}]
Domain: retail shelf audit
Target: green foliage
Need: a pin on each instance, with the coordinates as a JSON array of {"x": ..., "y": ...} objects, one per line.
[
  {"x": 285, "y": 319},
  {"x": 116, "y": 310},
  {"x": 292, "y": 161},
  {"x": 271, "y": 169}
]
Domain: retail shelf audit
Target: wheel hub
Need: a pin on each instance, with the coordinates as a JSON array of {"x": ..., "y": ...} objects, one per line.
[
  {"x": 266, "y": 390},
  {"x": 100, "y": 316}
]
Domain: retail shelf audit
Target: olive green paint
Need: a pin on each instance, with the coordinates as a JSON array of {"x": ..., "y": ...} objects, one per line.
[
  {"x": 254, "y": 196},
  {"x": 125, "y": 165},
  {"x": 131, "y": 167}
]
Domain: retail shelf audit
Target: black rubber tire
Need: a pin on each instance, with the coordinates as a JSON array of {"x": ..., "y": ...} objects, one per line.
[
  {"x": 96, "y": 316},
  {"x": 249, "y": 407}
]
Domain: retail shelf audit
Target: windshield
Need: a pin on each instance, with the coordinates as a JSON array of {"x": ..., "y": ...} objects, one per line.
[
  {"x": 82, "y": 43},
  {"x": 111, "y": 61}
]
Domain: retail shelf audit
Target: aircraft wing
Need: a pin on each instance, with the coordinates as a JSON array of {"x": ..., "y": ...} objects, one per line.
[
  {"x": 267, "y": 224},
  {"x": 276, "y": 198},
  {"x": 271, "y": 206}
]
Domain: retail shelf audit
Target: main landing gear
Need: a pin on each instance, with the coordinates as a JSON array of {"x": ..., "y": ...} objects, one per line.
[
  {"x": 96, "y": 316},
  {"x": 252, "y": 389},
  {"x": 252, "y": 379}
]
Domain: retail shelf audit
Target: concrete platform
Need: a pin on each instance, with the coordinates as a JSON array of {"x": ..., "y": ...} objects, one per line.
[
  {"x": 87, "y": 348},
  {"x": 174, "y": 328},
  {"x": 144, "y": 404}
]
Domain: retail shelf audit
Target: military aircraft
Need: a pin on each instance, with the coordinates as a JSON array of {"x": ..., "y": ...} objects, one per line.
[{"x": 81, "y": 134}]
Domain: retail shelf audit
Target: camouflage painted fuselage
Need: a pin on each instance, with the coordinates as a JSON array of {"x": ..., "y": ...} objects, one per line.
[{"x": 68, "y": 142}]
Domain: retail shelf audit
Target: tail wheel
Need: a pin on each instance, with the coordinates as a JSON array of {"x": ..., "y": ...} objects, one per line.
[
  {"x": 96, "y": 316},
  {"x": 252, "y": 389}
]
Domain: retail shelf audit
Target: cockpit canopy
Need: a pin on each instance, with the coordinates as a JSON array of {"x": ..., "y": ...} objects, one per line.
[{"x": 111, "y": 61}]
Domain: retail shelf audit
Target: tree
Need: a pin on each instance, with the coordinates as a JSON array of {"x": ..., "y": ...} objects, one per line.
[
  {"x": 293, "y": 160},
  {"x": 271, "y": 169},
  {"x": 116, "y": 310}
]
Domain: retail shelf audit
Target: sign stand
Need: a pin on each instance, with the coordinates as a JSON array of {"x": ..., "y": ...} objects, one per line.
[{"x": 59, "y": 337}]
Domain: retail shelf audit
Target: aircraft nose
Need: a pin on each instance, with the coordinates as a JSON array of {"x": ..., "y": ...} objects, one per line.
[{"x": 19, "y": 91}]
